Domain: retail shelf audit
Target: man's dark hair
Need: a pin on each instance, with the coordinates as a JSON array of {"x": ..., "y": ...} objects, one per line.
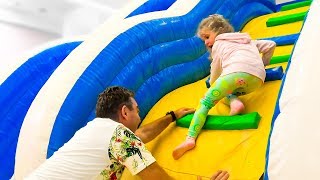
[{"x": 111, "y": 100}]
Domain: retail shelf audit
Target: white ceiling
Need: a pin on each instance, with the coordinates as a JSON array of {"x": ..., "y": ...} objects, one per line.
[{"x": 59, "y": 16}]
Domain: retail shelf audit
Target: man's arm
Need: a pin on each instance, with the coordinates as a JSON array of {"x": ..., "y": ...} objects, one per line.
[
  {"x": 154, "y": 172},
  {"x": 149, "y": 131}
]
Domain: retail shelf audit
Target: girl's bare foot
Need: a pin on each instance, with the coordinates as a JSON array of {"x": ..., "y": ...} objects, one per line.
[
  {"x": 187, "y": 145},
  {"x": 236, "y": 107}
]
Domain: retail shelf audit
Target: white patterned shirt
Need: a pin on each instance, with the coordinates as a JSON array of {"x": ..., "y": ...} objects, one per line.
[{"x": 126, "y": 150}]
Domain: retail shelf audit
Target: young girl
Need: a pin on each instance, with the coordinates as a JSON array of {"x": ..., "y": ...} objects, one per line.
[{"x": 236, "y": 69}]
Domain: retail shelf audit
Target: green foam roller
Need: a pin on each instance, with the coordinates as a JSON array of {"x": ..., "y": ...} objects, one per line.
[
  {"x": 295, "y": 5},
  {"x": 286, "y": 19},
  {"x": 279, "y": 59},
  {"x": 237, "y": 122}
]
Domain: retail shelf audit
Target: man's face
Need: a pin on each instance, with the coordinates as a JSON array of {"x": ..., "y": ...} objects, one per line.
[{"x": 133, "y": 116}]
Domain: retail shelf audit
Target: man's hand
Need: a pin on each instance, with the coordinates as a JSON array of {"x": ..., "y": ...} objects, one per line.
[
  {"x": 219, "y": 175},
  {"x": 149, "y": 131},
  {"x": 183, "y": 111}
]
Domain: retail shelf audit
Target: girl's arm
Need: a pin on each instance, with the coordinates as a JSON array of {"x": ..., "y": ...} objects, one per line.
[
  {"x": 216, "y": 69},
  {"x": 266, "y": 47}
]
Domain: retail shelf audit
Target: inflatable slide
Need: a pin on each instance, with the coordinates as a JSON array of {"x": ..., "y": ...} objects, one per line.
[{"x": 150, "y": 47}]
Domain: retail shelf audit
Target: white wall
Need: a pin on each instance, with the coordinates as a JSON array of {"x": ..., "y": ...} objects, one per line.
[
  {"x": 83, "y": 20},
  {"x": 16, "y": 40},
  {"x": 282, "y": 1}
]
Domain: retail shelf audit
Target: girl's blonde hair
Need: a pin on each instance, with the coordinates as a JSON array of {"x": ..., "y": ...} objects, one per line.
[{"x": 216, "y": 23}]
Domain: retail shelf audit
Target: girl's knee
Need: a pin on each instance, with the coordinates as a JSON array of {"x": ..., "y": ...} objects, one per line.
[
  {"x": 209, "y": 102},
  {"x": 213, "y": 96},
  {"x": 229, "y": 97}
]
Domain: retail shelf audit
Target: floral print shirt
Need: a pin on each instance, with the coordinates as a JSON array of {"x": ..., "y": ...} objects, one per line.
[{"x": 126, "y": 150}]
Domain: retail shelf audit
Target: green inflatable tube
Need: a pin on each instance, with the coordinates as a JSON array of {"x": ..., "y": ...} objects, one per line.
[
  {"x": 237, "y": 122},
  {"x": 286, "y": 19},
  {"x": 279, "y": 59},
  {"x": 295, "y": 5}
]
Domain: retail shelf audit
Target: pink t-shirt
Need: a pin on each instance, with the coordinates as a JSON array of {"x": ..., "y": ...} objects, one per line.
[{"x": 236, "y": 52}]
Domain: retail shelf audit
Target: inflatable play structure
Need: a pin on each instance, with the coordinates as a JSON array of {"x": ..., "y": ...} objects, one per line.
[{"x": 150, "y": 47}]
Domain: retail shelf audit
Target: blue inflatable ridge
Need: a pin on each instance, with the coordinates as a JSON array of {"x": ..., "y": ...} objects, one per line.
[
  {"x": 248, "y": 12},
  {"x": 168, "y": 80},
  {"x": 284, "y": 40},
  {"x": 273, "y": 74},
  {"x": 17, "y": 94},
  {"x": 151, "y": 6}
]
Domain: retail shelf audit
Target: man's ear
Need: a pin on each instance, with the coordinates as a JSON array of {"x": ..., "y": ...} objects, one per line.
[{"x": 123, "y": 112}]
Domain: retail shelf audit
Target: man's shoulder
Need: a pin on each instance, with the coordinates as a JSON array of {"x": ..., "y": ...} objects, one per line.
[
  {"x": 98, "y": 128},
  {"x": 103, "y": 122}
]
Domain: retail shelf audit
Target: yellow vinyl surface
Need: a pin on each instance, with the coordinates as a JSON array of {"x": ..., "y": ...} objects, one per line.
[{"x": 241, "y": 152}]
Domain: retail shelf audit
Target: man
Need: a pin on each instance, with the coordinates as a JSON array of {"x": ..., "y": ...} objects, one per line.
[{"x": 107, "y": 144}]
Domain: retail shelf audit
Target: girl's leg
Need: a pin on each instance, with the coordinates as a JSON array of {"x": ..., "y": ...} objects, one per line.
[
  {"x": 236, "y": 105},
  {"x": 235, "y": 84},
  {"x": 197, "y": 122},
  {"x": 213, "y": 95},
  {"x": 243, "y": 84}
]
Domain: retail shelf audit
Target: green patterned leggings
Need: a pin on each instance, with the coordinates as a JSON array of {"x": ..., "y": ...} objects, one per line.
[{"x": 230, "y": 86}]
